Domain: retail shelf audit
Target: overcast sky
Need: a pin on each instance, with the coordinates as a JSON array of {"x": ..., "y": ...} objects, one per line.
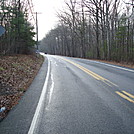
[{"x": 47, "y": 19}]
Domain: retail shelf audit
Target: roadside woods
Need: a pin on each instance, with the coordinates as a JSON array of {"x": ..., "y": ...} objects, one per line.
[
  {"x": 100, "y": 29},
  {"x": 15, "y": 16},
  {"x": 17, "y": 68}
]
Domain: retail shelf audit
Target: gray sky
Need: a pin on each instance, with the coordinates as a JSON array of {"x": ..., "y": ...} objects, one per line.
[{"x": 47, "y": 19}]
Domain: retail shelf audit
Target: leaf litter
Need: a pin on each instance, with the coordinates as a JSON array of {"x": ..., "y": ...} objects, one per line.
[{"x": 16, "y": 74}]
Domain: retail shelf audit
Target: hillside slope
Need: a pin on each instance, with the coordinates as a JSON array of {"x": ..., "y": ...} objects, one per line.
[{"x": 16, "y": 74}]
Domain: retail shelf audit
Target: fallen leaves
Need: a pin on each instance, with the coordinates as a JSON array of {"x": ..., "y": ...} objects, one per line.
[{"x": 16, "y": 74}]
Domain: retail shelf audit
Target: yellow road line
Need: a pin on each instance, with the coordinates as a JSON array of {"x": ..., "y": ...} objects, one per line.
[
  {"x": 128, "y": 94},
  {"x": 86, "y": 70},
  {"x": 94, "y": 75},
  {"x": 112, "y": 83},
  {"x": 89, "y": 72},
  {"x": 107, "y": 83},
  {"x": 124, "y": 96}
]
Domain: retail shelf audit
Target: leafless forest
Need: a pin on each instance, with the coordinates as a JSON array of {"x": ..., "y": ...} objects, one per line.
[{"x": 98, "y": 29}]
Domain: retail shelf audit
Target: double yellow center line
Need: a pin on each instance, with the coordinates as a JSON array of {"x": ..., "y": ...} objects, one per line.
[
  {"x": 94, "y": 75},
  {"x": 122, "y": 94},
  {"x": 126, "y": 96}
]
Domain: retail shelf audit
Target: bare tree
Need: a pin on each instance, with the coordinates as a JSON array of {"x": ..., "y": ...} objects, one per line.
[{"x": 102, "y": 29}]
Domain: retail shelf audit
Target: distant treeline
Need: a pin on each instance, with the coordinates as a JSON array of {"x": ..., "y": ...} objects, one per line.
[
  {"x": 14, "y": 16},
  {"x": 100, "y": 29}
]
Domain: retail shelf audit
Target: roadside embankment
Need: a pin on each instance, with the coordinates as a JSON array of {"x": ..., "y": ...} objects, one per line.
[{"x": 16, "y": 74}]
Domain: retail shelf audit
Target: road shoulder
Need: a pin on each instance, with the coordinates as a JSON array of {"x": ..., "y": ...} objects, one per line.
[{"x": 20, "y": 117}]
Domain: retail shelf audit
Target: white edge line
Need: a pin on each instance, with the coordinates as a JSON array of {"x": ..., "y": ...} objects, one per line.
[
  {"x": 38, "y": 108},
  {"x": 51, "y": 89},
  {"x": 113, "y": 66}
]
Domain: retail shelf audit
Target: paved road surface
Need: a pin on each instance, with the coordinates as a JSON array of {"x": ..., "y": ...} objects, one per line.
[{"x": 78, "y": 97}]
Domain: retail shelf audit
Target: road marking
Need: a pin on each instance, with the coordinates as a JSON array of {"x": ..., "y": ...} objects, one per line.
[
  {"x": 40, "y": 103},
  {"x": 94, "y": 75},
  {"x": 114, "y": 66},
  {"x": 128, "y": 94},
  {"x": 124, "y": 96},
  {"x": 107, "y": 83},
  {"x": 51, "y": 89}
]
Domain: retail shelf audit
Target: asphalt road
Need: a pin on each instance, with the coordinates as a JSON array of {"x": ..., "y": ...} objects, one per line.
[{"x": 75, "y": 96}]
